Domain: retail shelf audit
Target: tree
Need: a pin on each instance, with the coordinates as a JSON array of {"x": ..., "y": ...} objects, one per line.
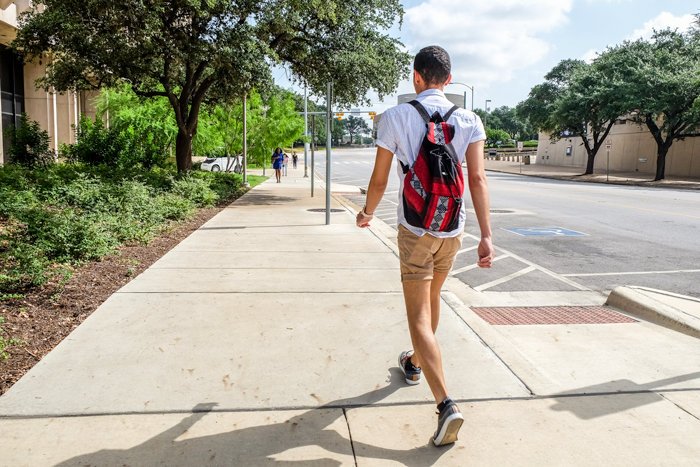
[
  {"x": 272, "y": 121},
  {"x": 197, "y": 51},
  {"x": 356, "y": 126},
  {"x": 659, "y": 84},
  {"x": 504, "y": 118},
  {"x": 576, "y": 101},
  {"x": 494, "y": 137},
  {"x": 539, "y": 107}
]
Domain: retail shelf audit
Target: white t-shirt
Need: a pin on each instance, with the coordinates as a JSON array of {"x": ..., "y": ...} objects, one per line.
[{"x": 401, "y": 131}]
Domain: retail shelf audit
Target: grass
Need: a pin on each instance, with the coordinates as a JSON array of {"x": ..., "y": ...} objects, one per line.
[{"x": 56, "y": 217}]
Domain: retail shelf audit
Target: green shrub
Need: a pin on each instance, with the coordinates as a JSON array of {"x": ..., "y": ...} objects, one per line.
[
  {"x": 97, "y": 145},
  {"x": 57, "y": 216},
  {"x": 29, "y": 144},
  {"x": 530, "y": 144}
]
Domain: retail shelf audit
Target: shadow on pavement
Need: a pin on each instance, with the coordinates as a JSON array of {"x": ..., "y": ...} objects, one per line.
[
  {"x": 260, "y": 445},
  {"x": 262, "y": 199},
  {"x": 613, "y": 397}
]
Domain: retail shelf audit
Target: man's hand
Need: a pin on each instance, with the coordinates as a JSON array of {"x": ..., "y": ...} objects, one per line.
[
  {"x": 486, "y": 253},
  {"x": 363, "y": 219}
]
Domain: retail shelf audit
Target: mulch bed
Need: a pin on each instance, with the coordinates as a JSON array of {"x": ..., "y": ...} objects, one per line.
[{"x": 46, "y": 315}]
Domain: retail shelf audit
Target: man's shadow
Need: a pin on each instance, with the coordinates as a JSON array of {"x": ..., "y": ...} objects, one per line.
[{"x": 260, "y": 445}]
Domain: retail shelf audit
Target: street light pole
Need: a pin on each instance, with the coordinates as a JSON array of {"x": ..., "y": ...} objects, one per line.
[
  {"x": 465, "y": 95},
  {"x": 306, "y": 135},
  {"x": 245, "y": 141},
  {"x": 328, "y": 154}
]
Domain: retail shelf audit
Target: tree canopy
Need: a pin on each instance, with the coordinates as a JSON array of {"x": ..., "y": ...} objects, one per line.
[
  {"x": 655, "y": 82},
  {"x": 658, "y": 83},
  {"x": 197, "y": 51}
]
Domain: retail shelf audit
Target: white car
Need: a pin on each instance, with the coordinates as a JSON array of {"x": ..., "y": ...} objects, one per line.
[{"x": 218, "y": 164}]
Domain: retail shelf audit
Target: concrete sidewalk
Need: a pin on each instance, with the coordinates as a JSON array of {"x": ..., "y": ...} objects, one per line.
[
  {"x": 267, "y": 337},
  {"x": 574, "y": 174}
]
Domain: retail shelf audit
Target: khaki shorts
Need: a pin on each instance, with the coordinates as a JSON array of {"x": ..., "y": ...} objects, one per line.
[{"x": 420, "y": 256}]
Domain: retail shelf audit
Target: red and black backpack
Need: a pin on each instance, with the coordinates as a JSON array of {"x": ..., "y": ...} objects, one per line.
[{"x": 434, "y": 185}]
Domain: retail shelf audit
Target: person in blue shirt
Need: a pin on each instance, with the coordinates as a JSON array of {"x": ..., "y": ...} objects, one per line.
[{"x": 277, "y": 161}]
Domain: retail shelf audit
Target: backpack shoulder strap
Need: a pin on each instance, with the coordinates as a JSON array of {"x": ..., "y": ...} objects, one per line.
[
  {"x": 421, "y": 110},
  {"x": 449, "y": 113}
]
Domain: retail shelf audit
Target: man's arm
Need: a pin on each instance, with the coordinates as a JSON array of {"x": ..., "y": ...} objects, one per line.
[
  {"x": 479, "y": 189},
  {"x": 377, "y": 185}
]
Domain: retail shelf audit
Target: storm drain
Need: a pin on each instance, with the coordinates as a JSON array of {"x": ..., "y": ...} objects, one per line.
[
  {"x": 501, "y": 211},
  {"x": 551, "y": 315},
  {"x": 323, "y": 210}
]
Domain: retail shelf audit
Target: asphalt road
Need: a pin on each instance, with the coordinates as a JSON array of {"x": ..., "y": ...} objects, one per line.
[{"x": 632, "y": 235}]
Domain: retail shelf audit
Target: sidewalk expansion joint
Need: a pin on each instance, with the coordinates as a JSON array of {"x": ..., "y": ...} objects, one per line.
[
  {"x": 533, "y": 397},
  {"x": 352, "y": 444}
]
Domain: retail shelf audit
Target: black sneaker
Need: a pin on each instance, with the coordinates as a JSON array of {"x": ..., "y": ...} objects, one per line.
[
  {"x": 410, "y": 372},
  {"x": 449, "y": 422}
]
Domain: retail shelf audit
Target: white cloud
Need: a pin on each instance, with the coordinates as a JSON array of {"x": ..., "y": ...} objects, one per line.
[
  {"x": 487, "y": 41},
  {"x": 663, "y": 21}
]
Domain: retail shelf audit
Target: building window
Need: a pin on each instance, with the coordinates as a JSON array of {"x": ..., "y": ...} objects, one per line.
[{"x": 11, "y": 90}]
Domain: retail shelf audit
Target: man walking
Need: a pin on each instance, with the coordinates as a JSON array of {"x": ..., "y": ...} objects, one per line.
[{"x": 431, "y": 138}]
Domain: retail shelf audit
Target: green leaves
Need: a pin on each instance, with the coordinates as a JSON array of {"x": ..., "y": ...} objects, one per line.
[
  {"x": 215, "y": 51},
  {"x": 29, "y": 144}
]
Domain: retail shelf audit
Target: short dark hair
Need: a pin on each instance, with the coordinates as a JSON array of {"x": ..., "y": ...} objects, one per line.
[{"x": 433, "y": 64}]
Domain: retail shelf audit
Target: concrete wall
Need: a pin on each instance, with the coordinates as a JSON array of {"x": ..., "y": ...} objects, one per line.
[{"x": 633, "y": 150}]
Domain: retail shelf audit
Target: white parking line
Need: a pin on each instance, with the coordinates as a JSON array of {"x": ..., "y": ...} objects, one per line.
[
  {"x": 464, "y": 250},
  {"x": 389, "y": 218},
  {"x": 472, "y": 266},
  {"x": 507, "y": 278},
  {"x": 539, "y": 268},
  {"x": 630, "y": 273}
]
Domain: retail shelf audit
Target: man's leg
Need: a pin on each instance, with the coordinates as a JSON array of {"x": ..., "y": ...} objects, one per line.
[{"x": 423, "y": 318}]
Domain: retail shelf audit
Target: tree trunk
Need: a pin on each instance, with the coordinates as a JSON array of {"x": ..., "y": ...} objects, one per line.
[
  {"x": 661, "y": 163},
  {"x": 183, "y": 151},
  {"x": 590, "y": 162}
]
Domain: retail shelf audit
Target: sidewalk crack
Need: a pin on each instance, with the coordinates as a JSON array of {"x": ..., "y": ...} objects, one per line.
[{"x": 352, "y": 445}]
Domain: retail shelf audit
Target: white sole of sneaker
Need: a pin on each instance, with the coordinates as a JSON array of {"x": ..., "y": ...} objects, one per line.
[
  {"x": 450, "y": 429},
  {"x": 411, "y": 382}
]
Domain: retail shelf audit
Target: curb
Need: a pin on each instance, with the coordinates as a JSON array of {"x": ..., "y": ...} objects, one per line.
[
  {"x": 570, "y": 178},
  {"x": 636, "y": 304}
]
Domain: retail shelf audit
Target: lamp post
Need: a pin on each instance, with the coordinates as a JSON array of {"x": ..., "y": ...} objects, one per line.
[
  {"x": 465, "y": 95},
  {"x": 486, "y": 109}
]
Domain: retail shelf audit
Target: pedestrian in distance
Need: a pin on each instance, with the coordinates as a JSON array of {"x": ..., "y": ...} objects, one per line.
[
  {"x": 295, "y": 158},
  {"x": 277, "y": 161},
  {"x": 285, "y": 164},
  {"x": 431, "y": 139}
]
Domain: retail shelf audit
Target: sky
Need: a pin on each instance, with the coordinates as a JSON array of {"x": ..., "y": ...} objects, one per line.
[{"x": 505, "y": 47}]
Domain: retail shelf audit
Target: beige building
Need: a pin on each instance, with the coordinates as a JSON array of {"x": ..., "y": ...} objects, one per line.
[
  {"x": 54, "y": 112},
  {"x": 633, "y": 150}
]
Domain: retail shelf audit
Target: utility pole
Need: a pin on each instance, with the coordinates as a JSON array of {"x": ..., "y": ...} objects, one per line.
[
  {"x": 245, "y": 141},
  {"x": 328, "y": 154},
  {"x": 306, "y": 134}
]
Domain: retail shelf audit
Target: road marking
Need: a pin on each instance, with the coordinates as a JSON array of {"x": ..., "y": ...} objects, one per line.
[
  {"x": 602, "y": 202},
  {"x": 630, "y": 273},
  {"x": 546, "y": 232},
  {"x": 539, "y": 268},
  {"x": 472, "y": 266},
  {"x": 389, "y": 218},
  {"x": 464, "y": 250},
  {"x": 390, "y": 192},
  {"x": 507, "y": 278}
]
